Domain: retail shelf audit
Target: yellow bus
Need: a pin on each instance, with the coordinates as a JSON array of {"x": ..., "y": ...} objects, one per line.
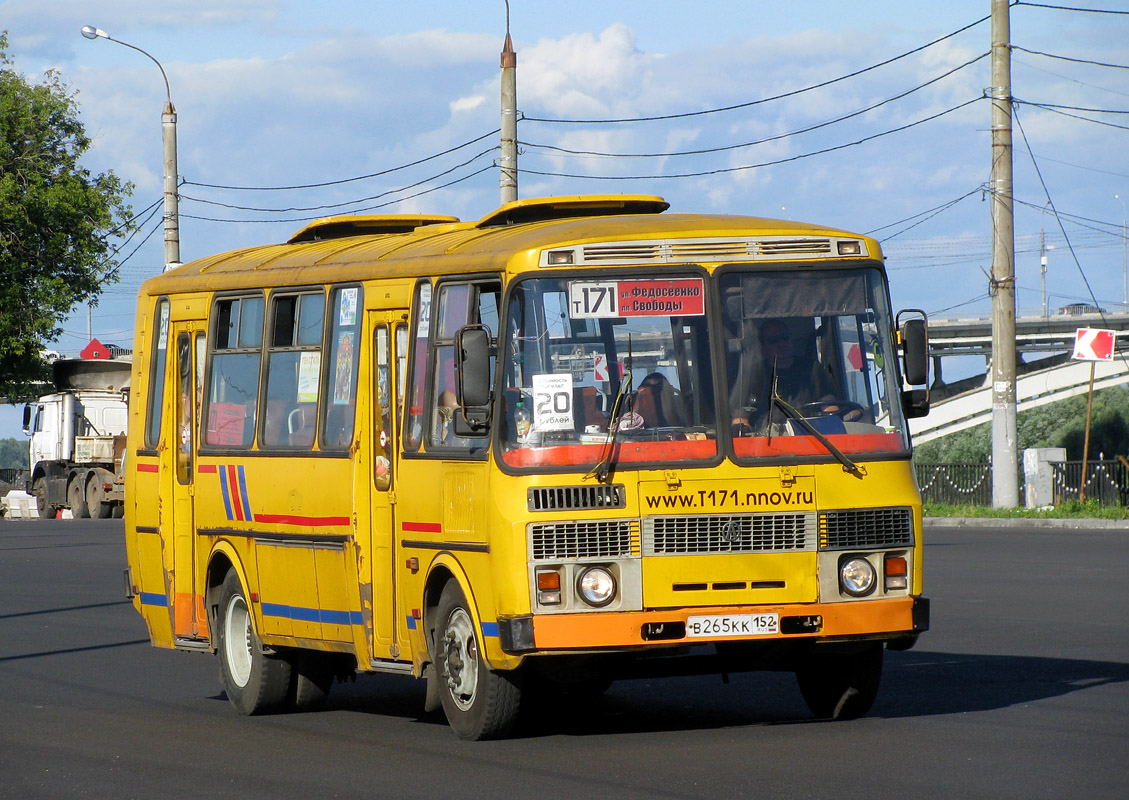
[{"x": 575, "y": 441}]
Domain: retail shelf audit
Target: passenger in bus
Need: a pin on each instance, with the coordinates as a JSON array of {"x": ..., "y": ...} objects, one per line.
[
  {"x": 445, "y": 421},
  {"x": 800, "y": 379},
  {"x": 659, "y": 403}
]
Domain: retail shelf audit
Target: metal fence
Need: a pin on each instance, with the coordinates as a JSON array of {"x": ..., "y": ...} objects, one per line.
[
  {"x": 955, "y": 484},
  {"x": 13, "y": 477},
  {"x": 1107, "y": 482}
]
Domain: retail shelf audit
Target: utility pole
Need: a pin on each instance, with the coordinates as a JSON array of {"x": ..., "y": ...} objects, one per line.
[
  {"x": 1005, "y": 463},
  {"x": 508, "y": 160}
]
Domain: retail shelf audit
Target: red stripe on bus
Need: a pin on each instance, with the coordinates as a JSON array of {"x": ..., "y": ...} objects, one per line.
[
  {"x": 290, "y": 519},
  {"x": 148, "y": 467},
  {"x": 422, "y": 527},
  {"x": 233, "y": 487},
  {"x": 206, "y": 468}
]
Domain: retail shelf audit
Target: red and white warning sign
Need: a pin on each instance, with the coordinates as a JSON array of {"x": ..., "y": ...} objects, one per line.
[{"x": 1093, "y": 344}]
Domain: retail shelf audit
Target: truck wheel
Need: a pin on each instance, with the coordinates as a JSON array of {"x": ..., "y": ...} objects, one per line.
[
  {"x": 94, "y": 494},
  {"x": 256, "y": 683},
  {"x": 39, "y": 489},
  {"x": 480, "y": 703},
  {"x": 76, "y": 498},
  {"x": 841, "y": 685}
]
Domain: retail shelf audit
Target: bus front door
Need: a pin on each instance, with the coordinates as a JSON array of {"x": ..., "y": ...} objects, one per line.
[
  {"x": 187, "y": 361},
  {"x": 389, "y": 340}
]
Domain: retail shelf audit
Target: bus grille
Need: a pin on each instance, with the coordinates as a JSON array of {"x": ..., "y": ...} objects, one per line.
[
  {"x": 736, "y": 533},
  {"x": 576, "y": 498},
  {"x": 594, "y": 539},
  {"x": 865, "y": 528}
]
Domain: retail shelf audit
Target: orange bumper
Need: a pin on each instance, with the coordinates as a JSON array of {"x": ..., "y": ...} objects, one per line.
[{"x": 615, "y": 630}]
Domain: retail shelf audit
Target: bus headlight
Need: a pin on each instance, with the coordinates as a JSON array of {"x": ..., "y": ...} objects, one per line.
[
  {"x": 596, "y": 585},
  {"x": 856, "y": 576}
]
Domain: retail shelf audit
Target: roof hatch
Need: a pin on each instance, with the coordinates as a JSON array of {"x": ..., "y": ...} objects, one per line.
[
  {"x": 365, "y": 225},
  {"x": 546, "y": 208}
]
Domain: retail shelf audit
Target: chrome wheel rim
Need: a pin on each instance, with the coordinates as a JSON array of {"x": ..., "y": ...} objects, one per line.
[{"x": 237, "y": 640}]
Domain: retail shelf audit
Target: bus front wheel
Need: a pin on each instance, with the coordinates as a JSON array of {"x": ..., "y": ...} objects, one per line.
[
  {"x": 480, "y": 703},
  {"x": 843, "y": 684},
  {"x": 255, "y": 682}
]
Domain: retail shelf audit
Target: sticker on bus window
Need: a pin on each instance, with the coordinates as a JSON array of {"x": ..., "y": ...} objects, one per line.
[
  {"x": 680, "y": 297},
  {"x": 343, "y": 371},
  {"x": 309, "y": 376},
  {"x": 552, "y": 402},
  {"x": 347, "y": 315}
]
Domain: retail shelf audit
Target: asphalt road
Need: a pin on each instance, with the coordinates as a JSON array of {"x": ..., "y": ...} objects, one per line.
[{"x": 1021, "y": 690}]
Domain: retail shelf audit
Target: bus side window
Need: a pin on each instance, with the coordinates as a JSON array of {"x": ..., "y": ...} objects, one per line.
[
  {"x": 382, "y": 409},
  {"x": 236, "y": 353},
  {"x": 343, "y": 347},
  {"x": 421, "y": 324},
  {"x": 293, "y": 370},
  {"x": 156, "y": 380}
]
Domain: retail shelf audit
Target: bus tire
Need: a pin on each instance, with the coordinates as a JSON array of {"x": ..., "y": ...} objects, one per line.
[
  {"x": 76, "y": 498},
  {"x": 39, "y": 490},
  {"x": 480, "y": 703},
  {"x": 255, "y": 683},
  {"x": 311, "y": 677},
  {"x": 841, "y": 685}
]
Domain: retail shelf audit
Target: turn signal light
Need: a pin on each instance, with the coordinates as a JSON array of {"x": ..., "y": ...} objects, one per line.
[
  {"x": 549, "y": 588},
  {"x": 897, "y": 573}
]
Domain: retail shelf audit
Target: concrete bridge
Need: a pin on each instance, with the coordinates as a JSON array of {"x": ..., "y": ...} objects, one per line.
[{"x": 1044, "y": 371}]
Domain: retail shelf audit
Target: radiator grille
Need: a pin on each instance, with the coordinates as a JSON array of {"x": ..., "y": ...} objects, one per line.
[
  {"x": 865, "y": 528},
  {"x": 736, "y": 533},
  {"x": 594, "y": 539},
  {"x": 576, "y": 498}
]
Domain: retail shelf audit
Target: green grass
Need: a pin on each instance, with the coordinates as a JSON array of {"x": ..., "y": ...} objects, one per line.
[{"x": 1070, "y": 509}]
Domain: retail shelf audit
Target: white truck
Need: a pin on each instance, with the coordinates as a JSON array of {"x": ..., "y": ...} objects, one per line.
[{"x": 78, "y": 439}]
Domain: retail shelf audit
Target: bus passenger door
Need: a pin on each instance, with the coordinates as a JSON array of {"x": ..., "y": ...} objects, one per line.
[
  {"x": 187, "y": 360},
  {"x": 389, "y": 340}
]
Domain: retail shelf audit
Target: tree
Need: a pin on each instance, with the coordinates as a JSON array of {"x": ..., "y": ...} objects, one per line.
[
  {"x": 13, "y": 454},
  {"x": 56, "y": 220}
]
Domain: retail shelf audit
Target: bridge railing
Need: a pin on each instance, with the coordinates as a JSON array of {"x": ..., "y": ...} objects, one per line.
[{"x": 1107, "y": 482}]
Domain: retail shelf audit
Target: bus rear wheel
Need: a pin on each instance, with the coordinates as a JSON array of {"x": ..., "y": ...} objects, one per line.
[
  {"x": 480, "y": 703},
  {"x": 255, "y": 682},
  {"x": 842, "y": 684}
]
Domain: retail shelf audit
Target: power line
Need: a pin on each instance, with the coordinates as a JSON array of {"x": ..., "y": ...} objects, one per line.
[
  {"x": 1068, "y": 8},
  {"x": 1058, "y": 110},
  {"x": 723, "y": 170},
  {"x": 494, "y": 132},
  {"x": 726, "y": 148},
  {"x": 751, "y": 103},
  {"x": 1068, "y": 58},
  {"x": 343, "y": 203}
]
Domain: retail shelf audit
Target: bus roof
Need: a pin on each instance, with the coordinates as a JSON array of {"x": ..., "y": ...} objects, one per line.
[{"x": 596, "y": 229}]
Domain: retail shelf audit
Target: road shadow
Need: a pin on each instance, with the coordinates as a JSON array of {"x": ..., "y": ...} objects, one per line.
[{"x": 914, "y": 684}]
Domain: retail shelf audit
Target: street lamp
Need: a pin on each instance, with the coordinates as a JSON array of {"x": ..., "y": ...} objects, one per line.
[
  {"x": 1124, "y": 264},
  {"x": 168, "y": 129}
]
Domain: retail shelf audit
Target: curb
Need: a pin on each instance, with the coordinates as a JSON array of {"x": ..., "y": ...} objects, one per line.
[{"x": 1022, "y": 522}]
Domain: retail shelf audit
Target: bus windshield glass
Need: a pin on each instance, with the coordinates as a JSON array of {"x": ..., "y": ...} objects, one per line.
[
  {"x": 822, "y": 338},
  {"x": 576, "y": 352}
]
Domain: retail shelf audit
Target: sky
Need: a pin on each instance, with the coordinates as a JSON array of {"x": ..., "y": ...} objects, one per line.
[{"x": 775, "y": 108}]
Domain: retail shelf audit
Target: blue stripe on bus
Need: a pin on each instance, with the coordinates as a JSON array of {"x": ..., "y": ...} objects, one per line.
[
  {"x": 303, "y": 614},
  {"x": 226, "y": 494},
  {"x": 490, "y": 629},
  {"x": 243, "y": 494},
  {"x": 154, "y": 599},
  {"x": 411, "y": 622}
]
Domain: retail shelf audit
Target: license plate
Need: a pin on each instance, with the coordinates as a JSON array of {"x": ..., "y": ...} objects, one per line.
[{"x": 716, "y": 625}]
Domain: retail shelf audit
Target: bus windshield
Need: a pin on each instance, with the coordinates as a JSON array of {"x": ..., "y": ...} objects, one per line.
[
  {"x": 577, "y": 351},
  {"x": 810, "y": 346},
  {"x": 804, "y": 353}
]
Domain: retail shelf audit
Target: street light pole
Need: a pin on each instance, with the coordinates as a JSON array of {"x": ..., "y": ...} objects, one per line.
[{"x": 168, "y": 136}]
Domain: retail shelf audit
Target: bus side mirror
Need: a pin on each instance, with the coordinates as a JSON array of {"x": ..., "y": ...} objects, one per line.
[
  {"x": 27, "y": 417},
  {"x": 472, "y": 380},
  {"x": 914, "y": 334}
]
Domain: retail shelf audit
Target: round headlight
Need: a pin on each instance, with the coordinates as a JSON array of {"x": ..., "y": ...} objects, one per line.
[
  {"x": 857, "y": 576},
  {"x": 597, "y": 586}
]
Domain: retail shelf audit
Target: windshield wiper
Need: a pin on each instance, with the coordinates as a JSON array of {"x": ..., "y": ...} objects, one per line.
[
  {"x": 603, "y": 467},
  {"x": 774, "y": 399}
]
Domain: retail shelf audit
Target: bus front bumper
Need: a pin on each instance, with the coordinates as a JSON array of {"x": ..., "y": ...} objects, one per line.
[{"x": 898, "y": 620}]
